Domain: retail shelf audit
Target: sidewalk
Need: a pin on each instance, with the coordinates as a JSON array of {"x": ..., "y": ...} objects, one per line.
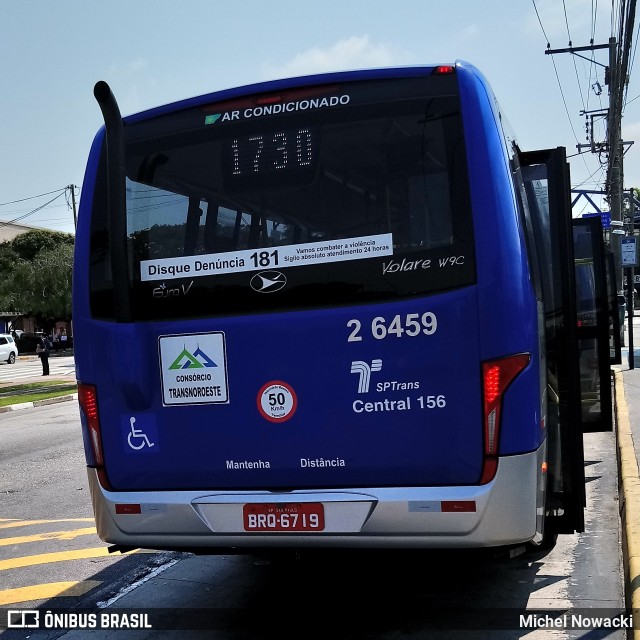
[
  {"x": 627, "y": 424},
  {"x": 38, "y": 403},
  {"x": 37, "y": 378}
]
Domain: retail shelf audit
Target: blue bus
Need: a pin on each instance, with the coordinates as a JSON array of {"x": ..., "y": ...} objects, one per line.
[{"x": 334, "y": 311}]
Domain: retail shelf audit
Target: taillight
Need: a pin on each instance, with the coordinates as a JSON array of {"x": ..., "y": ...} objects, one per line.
[
  {"x": 497, "y": 375},
  {"x": 88, "y": 400},
  {"x": 444, "y": 69},
  {"x": 269, "y": 100}
]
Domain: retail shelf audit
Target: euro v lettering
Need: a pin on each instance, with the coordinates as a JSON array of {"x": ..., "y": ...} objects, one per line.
[
  {"x": 171, "y": 292},
  {"x": 394, "y": 266}
]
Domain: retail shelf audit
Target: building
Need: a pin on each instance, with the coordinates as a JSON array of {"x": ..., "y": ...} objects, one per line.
[{"x": 9, "y": 230}]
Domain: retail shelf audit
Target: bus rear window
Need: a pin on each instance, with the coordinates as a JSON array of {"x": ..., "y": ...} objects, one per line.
[{"x": 342, "y": 194}]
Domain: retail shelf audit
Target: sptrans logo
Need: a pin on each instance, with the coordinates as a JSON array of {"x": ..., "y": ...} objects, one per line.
[
  {"x": 364, "y": 369},
  {"x": 194, "y": 369}
]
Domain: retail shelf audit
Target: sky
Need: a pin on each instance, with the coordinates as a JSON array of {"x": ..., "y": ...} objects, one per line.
[{"x": 153, "y": 52}]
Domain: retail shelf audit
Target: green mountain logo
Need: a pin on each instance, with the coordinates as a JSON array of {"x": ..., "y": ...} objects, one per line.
[
  {"x": 212, "y": 118},
  {"x": 196, "y": 360}
]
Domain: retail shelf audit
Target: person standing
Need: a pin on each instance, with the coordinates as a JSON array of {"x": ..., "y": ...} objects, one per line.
[{"x": 42, "y": 349}]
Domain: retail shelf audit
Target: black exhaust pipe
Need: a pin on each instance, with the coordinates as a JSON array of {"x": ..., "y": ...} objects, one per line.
[{"x": 117, "y": 204}]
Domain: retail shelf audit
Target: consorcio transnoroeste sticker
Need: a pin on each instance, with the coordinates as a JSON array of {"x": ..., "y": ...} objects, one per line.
[{"x": 277, "y": 401}]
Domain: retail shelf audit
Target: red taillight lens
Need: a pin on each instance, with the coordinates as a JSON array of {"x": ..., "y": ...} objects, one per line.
[
  {"x": 269, "y": 100},
  {"x": 128, "y": 509},
  {"x": 458, "y": 506},
  {"x": 88, "y": 400},
  {"x": 497, "y": 375},
  {"x": 444, "y": 69}
]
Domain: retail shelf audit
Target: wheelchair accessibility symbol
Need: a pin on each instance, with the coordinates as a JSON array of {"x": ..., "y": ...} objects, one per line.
[{"x": 137, "y": 438}]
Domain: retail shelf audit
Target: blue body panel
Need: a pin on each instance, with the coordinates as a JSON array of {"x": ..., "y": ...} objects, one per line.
[{"x": 338, "y": 435}]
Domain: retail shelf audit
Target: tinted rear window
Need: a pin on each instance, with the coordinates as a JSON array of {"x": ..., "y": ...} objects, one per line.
[{"x": 334, "y": 194}]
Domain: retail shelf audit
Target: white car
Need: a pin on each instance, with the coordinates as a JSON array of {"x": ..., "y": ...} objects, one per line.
[{"x": 8, "y": 349}]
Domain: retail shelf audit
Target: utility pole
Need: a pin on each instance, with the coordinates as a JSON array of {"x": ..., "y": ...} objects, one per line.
[
  {"x": 614, "y": 144},
  {"x": 615, "y": 78},
  {"x": 614, "y": 172},
  {"x": 72, "y": 188}
]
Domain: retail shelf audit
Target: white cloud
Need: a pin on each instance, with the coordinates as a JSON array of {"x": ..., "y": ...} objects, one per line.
[
  {"x": 356, "y": 52},
  {"x": 631, "y": 163},
  {"x": 129, "y": 69},
  {"x": 631, "y": 130},
  {"x": 560, "y": 19},
  {"x": 471, "y": 31},
  {"x": 133, "y": 84}
]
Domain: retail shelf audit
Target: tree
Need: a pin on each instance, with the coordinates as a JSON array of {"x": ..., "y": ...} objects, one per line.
[
  {"x": 37, "y": 265},
  {"x": 28, "y": 245},
  {"x": 8, "y": 258}
]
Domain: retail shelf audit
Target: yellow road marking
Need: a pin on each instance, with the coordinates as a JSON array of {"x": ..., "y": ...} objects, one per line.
[
  {"x": 52, "y": 535},
  {"x": 8, "y": 524},
  {"x": 60, "y": 556},
  {"x": 46, "y": 591}
]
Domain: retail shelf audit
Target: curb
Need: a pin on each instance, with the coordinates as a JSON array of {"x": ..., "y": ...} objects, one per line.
[
  {"x": 629, "y": 489},
  {"x": 38, "y": 403}
]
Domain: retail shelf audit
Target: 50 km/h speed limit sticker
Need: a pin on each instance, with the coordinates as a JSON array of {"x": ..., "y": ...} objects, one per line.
[{"x": 277, "y": 401}]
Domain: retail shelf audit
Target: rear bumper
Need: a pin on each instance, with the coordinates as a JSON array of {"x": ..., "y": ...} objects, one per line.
[{"x": 401, "y": 517}]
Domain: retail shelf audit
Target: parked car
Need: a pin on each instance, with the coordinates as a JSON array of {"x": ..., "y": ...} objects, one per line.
[
  {"x": 8, "y": 348},
  {"x": 27, "y": 342}
]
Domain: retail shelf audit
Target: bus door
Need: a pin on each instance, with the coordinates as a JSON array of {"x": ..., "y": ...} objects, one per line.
[
  {"x": 545, "y": 195},
  {"x": 594, "y": 325},
  {"x": 616, "y": 311}
]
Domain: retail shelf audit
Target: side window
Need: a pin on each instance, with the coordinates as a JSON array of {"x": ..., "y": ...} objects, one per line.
[{"x": 592, "y": 325}]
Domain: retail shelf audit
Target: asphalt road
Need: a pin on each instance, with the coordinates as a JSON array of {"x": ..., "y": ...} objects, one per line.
[
  {"x": 29, "y": 369},
  {"x": 49, "y": 551}
]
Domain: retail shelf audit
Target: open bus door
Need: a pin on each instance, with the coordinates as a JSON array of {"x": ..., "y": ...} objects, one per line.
[
  {"x": 595, "y": 324},
  {"x": 548, "y": 225},
  {"x": 616, "y": 312}
]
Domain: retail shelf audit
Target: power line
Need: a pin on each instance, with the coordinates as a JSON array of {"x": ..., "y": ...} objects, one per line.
[
  {"x": 575, "y": 65},
  {"x": 2, "y": 204},
  {"x": 558, "y": 78},
  {"x": 631, "y": 62},
  {"x": 22, "y": 217},
  {"x": 595, "y": 86},
  {"x": 540, "y": 22}
]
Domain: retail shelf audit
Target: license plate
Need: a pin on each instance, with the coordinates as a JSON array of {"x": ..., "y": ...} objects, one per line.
[{"x": 291, "y": 516}]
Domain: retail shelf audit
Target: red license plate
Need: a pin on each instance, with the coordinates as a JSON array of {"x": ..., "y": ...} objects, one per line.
[{"x": 290, "y": 516}]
